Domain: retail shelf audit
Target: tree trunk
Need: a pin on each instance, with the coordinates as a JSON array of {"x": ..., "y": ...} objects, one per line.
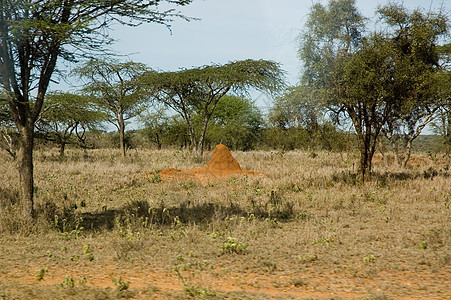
[
  {"x": 192, "y": 136},
  {"x": 121, "y": 124},
  {"x": 363, "y": 168},
  {"x": 200, "y": 144},
  {"x": 193, "y": 141},
  {"x": 62, "y": 148},
  {"x": 367, "y": 147},
  {"x": 25, "y": 167},
  {"x": 158, "y": 141},
  {"x": 408, "y": 151}
]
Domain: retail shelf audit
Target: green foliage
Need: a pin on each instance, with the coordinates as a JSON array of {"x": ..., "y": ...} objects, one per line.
[
  {"x": 121, "y": 285},
  {"x": 308, "y": 258},
  {"x": 87, "y": 252},
  {"x": 116, "y": 88},
  {"x": 442, "y": 126},
  {"x": 236, "y": 123},
  {"x": 70, "y": 225},
  {"x": 69, "y": 282},
  {"x": 196, "y": 92},
  {"x": 328, "y": 137},
  {"x": 377, "y": 79},
  {"x": 297, "y": 107},
  {"x": 39, "y": 274},
  {"x": 419, "y": 70},
  {"x": 233, "y": 246},
  {"x": 423, "y": 245},
  {"x": 163, "y": 129},
  {"x": 369, "y": 259},
  {"x": 66, "y": 113},
  {"x": 35, "y": 35},
  {"x": 328, "y": 31},
  {"x": 156, "y": 178},
  {"x": 198, "y": 292}
]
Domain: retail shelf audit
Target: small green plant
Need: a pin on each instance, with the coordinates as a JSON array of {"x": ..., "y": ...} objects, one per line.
[
  {"x": 39, "y": 274},
  {"x": 325, "y": 241},
  {"x": 233, "y": 246},
  {"x": 187, "y": 184},
  {"x": 74, "y": 257},
  {"x": 303, "y": 216},
  {"x": 121, "y": 285},
  {"x": 191, "y": 290},
  {"x": 307, "y": 257},
  {"x": 423, "y": 245},
  {"x": 127, "y": 229},
  {"x": 369, "y": 259},
  {"x": 70, "y": 227},
  {"x": 68, "y": 282},
  {"x": 297, "y": 188},
  {"x": 198, "y": 292},
  {"x": 87, "y": 252},
  {"x": 156, "y": 178},
  {"x": 213, "y": 235},
  {"x": 82, "y": 280}
]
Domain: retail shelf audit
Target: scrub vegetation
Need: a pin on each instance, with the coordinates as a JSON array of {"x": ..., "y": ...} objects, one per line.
[{"x": 307, "y": 228}]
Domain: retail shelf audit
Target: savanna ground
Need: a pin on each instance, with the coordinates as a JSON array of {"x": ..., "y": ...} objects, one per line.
[{"x": 305, "y": 230}]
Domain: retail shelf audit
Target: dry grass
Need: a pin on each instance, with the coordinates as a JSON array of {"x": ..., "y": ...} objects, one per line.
[{"x": 306, "y": 229}]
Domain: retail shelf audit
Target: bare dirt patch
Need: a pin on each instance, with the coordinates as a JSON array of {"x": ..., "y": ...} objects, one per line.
[{"x": 307, "y": 284}]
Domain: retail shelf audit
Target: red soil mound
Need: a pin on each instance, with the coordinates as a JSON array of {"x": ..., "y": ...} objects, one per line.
[
  {"x": 223, "y": 161},
  {"x": 221, "y": 165}
]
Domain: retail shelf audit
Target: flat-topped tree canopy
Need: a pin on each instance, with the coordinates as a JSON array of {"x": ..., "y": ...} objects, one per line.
[
  {"x": 115, "y": 87},
  {"x": 198, "y": 90}
]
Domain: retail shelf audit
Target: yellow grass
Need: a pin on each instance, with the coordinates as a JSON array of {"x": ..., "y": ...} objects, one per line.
[{"x": 306, "y": 228}]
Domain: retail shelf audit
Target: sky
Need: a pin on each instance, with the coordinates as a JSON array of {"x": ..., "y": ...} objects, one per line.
[{"x": 229, "y": 30}]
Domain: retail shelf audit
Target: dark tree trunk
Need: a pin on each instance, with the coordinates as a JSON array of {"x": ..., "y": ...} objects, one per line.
[
  {"x": 367, "y": 149},
  {"x": 62, "y": 148},
  {"x": 368, "y": 132},
  {"x": 191, "y": 133},
  {"x": 158, "y": 141},
  {"x": 364, "y": 165},
  {"x": 200, "y": 144},
  {"x": 25, "y": 167},
  {"x": 121, "y": 124}
]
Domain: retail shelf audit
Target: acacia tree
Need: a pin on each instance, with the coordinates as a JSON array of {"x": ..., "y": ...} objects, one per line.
[
  {"x": 116, "y": 88},
  {"x": 332, "y": 36},
  {"x": 63, "y": 114},
  {"x": 34, "y": 35},
  {"x": 197, "y": 91},
  {"x": 372, "y": 80},
  {"x": 419, "y": 74}
]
